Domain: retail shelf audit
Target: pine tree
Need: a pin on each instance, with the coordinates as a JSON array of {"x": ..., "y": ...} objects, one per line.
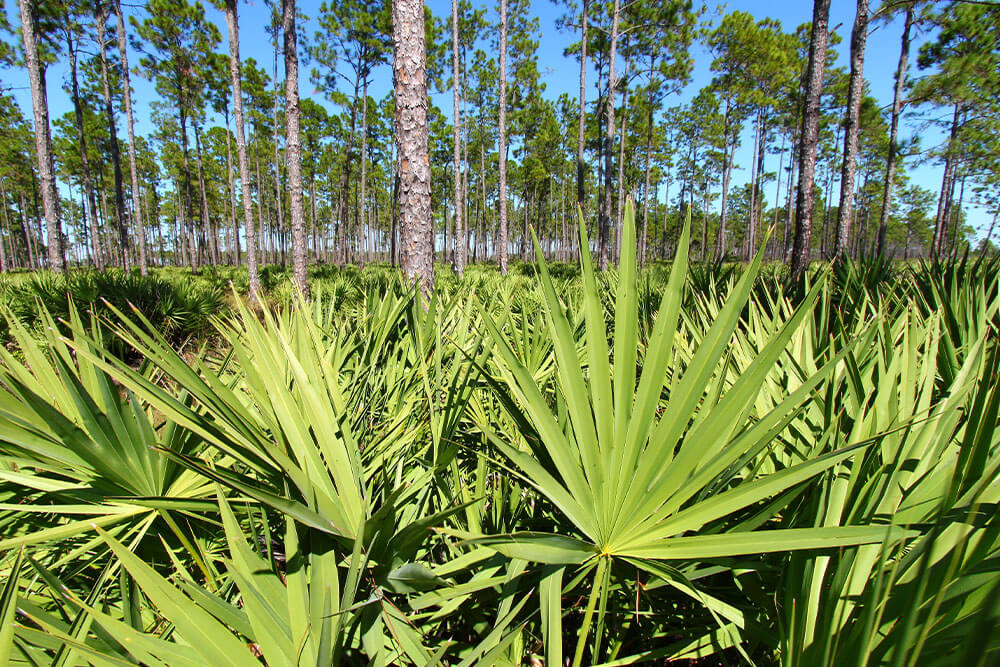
[
  {"x": 235, "y": 72},
  {"x": 859, "y": 36},
  {"x": 298, "y": 220},
  {"x": 43, "y": 136},
  {"x": 809, "y": 137},
  {"x": 412, "y": 127},
  {"x": 897, "y": 106},
  {"x": 502, "y": 238},
  {"x": 140, "y": 231}
]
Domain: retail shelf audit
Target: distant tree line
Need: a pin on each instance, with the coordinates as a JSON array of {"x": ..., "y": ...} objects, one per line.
[{"x": 241, "y": 161}]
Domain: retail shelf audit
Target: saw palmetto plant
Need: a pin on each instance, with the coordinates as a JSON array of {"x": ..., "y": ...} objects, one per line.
[{"x": 569, "y": 467}]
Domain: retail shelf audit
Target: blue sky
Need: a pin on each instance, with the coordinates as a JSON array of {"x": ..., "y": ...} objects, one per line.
[{"x": 559, "y": 73}]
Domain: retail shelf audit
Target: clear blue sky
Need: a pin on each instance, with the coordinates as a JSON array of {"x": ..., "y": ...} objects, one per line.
[{"x": 560, "y": 73}]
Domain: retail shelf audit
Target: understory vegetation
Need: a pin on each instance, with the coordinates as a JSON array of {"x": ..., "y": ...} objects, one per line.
[{"x": 564, "y": 466}]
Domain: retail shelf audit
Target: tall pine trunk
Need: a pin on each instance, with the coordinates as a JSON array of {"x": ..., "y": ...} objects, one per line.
[
  {"x": 859, "y": 36},
  {"x": 809, "y": 138},
  {"x": 459, "y": 254},
  {"x": 89, "y": 221},
  {"x": 294, "y": 141},
  {"x": 502, "y": 146},
  {"x": 727, "y": 171},
  {"x": 43, "y": 137},
  {"x": 410, "y": 86},
  {"x": 947, "y": 187},
  {"x": 133, "y": 163},
  {"x": 581, "y": 164},
  {"x": 604, "y": 223},
  {"x": 897, "y": 105},
  {"x": 116, "y": 160},
  {"x": 235, "y": 70}
]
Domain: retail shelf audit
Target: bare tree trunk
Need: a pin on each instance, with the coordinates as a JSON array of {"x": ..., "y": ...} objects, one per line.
[
  {"x": 234, "y": 224},
  {"x": 947, "y": 187},
  {"x": 109, "y": 110},
  {"x": 43, "y": 137},
  {"x": 777, "y": 196},
  {"x": 809, "y": 138},
  {"x": 278, "y": 200},
  {"x": 89, "y": 222},
  {"x": 604, "y": 227},
  {"x": 410, "y": 86},
  {"x": 581, "y": 164},
  {"x": 897, "y": 104},
  {"x": 727, "y": 170},
  {"x": 294, "y": 140},
  {"x": 502, "y": 146},
  {"x": 989, "y": 232},
  {"x": 6, "y": 227},
  {"x": 235, "y": 72},
  {"x": 206, "y": 222},
  {"x": 955, "y": 220},
  {"x": 363, "y": 189},
  {"x": 859, "y": 36},
  {"x": 757, "y": 210},
  {"x": 140, "y": 231},
  {"x": 459, "y": 253}
]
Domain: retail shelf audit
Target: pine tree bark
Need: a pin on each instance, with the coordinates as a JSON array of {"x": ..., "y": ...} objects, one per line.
[
  {"x": 502, "y": 146},
  {"x": 207, "y": 226},
  {"x": 581, "y": 165},
  {"x": 897, "y": 105},
  {"x": 278, "y": 194},
  {"x": 604, "y": 224},
  {"x": 133, "y": 163},
  {"x": 809, "y": 138},
  {"x": 294, "y": 142},
  {"x": 235, "y": 72},
  {"x": 89, "y": 220},
  {"x": 645, "y": 187},
  {"x": 947, "y": 187},
  {"x": 360, "y": 211},
  {"x": 459, "y": 256},
  {"x": 109, "y": 111},
  {"x": 43, "y": 137},
  {"x": 410, "y": 86},
  {"x": 727, "y": 171},
  {"x": 859, "y": 36},
  {"x": 4, "y": 267}
]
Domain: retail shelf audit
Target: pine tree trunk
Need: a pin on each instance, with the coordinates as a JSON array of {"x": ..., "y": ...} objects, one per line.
[
  {"x": 278, "y": 194},
  {"x": 4, "y": 267},
  {"x": 757, "y": 210},
  {"x": 947, "y": 187},
  {"x": 410, "y": 87},
  {"x": 647, "y": 170},
  {"x": 502, "y": 146},
  {"x": 235, "y": 73},
  {"x": 43, "y": 137},
  {"x": 459, "y": 241},
  {"x": 809, "y": 138},
  {"x": 116, "y": 160},
  {"x": 897, "y": 105},
  {"x": 206, "y": 221},
  {"x": 859, "y": 36},
  {"x": 604, "y": 229},
  {"x": 234, "y": 225},
  {"x": 140, "y": 232},
  {"x": 727, "y": 170},
  {"x": 89, "y": 221},
  {"x": 362, "y": 225},
  {"x": 294, "y": 142},
  {"x": 581, "y": 164}
]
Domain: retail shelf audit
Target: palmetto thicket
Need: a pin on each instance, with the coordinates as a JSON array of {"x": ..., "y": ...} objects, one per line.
[{"x": 611, "y": 468}]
